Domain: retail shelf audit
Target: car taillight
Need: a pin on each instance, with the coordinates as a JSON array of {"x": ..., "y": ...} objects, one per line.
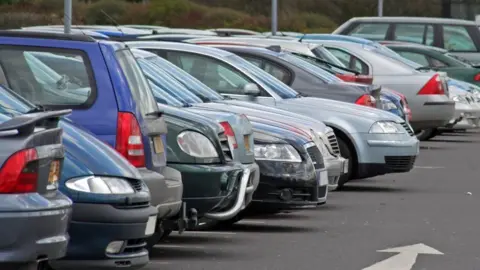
[
  {"x": 19, "y": 174},
  {"x": 129, "y": 141},
  {"x": 433, "y": 87},
  {"x": 367, "y": 100},
  {"x": 366, "y": 79},
  {"x": 230, "y": 134},
  {"x": 346, "y": 77},
  {"x": 477, "y": 77}
]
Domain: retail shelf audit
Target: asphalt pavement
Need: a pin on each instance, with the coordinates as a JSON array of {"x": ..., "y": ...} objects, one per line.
[{"x": 432, "y": 212}]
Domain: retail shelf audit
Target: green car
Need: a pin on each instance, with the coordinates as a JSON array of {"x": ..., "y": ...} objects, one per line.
[{"x": 440, "y": 60}]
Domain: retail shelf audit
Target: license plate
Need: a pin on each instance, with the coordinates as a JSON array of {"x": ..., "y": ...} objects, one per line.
[
  {"x": 246, "y": 140},
  {"x": 53, "y": 174},
  {"x": 323, "y": 178},
  {"x": 345, "y": 166},
  {"x": 158, "y": 144},
  {"x": 151, "y": 223}
]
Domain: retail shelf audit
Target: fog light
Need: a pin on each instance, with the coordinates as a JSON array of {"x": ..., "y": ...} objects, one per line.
[
  {"x": 286, "y": 194},
  {"x": 114, "y": 247}
]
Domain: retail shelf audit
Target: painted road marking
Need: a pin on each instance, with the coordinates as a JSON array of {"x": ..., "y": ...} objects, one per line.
[
  {"x": 429, "y": 167},
  {"x": 405, "y": 259}
]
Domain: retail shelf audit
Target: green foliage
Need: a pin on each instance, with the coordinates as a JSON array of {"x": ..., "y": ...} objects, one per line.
[{"x": 114, "y": 8}]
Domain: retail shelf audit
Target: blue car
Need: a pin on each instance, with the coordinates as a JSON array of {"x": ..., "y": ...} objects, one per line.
[
  {"x": 103, "y": 193},
  {"x": 110, "y": 98}
]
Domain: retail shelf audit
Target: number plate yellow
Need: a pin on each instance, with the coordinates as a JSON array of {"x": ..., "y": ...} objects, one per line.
[
  {"x": 54, "y": 172},
  {"x": 158, "y": 144},
  {"x": 246, "y": 140}
]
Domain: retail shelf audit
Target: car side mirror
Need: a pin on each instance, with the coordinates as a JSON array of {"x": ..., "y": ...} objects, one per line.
[{"x": 251, "y": 89}]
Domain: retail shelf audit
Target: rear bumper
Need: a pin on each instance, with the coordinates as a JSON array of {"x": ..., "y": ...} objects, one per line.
[
  {"x": 27, "y": 236},
  {"x": 166, "y": 190},
  {"x": 435, "y": 111},
  {"x": 95, "y": 226}
]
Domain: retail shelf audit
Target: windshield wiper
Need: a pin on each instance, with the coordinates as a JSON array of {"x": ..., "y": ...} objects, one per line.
[
  {"x": 299, "y": 95},
  {"x": 423, "y": 68},
  {"x": 37, "y": 108}
]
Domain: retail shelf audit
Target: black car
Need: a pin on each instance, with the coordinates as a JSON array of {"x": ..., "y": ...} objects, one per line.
[{"x": 306, "y": 78}]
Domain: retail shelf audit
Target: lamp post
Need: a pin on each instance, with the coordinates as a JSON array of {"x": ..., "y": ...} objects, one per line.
[
  {"x": 67, "y": 16},
  {"x": 274, "y": 17}
]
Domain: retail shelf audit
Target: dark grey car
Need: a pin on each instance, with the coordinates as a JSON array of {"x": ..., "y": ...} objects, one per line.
[{"x": 34, "y": 215}]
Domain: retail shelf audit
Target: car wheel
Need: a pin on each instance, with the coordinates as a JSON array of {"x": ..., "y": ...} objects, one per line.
[
  {"x": 426, "y": 134},
  {"x": 347, "y": 154}
]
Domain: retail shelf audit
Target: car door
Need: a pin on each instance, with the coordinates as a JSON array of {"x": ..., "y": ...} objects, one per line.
[{"x": 218, "y": 75}]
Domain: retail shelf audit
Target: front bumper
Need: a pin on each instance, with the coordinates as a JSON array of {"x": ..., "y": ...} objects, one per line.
[
  {"x": 29, "y": 235},
  {"x": 467, "y": 116},
  {"x": 336, "y": 167},
  {"x": 386, "y": 153},
  {"x": 431, "y": 111},
  {"x": 95, "y": 226},
  {"x": 281, "y": 190},
  {"x": 166, "y": 190},
  {"x": 218, "y": 191}
]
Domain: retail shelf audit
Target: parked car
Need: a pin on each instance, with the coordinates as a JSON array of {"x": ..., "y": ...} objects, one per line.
[
  {"x": 33, "y": 212},
  {"x": 438, "y": 59},
  {"x": 169, "y": 37},
  {"x": 362, "y": 132},
  {"x": 460, "y": 37},
  {"x": 234, "y": 32},
  {"x": 306, "y": 78},
  {"x": 115, "y": 89},
  {"x": 426, "y": 91},
  {"x": 284, "y": 170},
  {"x": 467, "y": 111},
  {"x": 103, "y": 193}
]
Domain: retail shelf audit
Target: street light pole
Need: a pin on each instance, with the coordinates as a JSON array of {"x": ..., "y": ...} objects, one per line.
[
  {"x": 67, "y": 16},
  {"x": 380, "y": 8},
  {"x": 274, "y": 17}
]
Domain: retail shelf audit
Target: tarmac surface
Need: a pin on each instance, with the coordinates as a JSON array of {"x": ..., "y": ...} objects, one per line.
[{"x": 435, "y": 208}]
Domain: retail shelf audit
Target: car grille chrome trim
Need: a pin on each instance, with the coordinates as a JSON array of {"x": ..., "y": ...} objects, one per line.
[
  {"x": 407, "y": 128},
  {"x": 315, "y": 155},
  {"x": 332, "y": 140},
  {"x": 227, "y": 152}
]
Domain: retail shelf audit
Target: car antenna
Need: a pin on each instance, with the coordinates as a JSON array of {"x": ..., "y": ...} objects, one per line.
[
  {"x": 115, "y": 23},
  {"x": 304, "y": 35}
]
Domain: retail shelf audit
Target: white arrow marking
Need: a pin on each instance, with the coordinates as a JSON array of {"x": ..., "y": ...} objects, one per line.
[{"x": 405, "y": 259}]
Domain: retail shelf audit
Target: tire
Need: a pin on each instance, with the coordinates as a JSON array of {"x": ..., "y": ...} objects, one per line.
[
  {"x": 347, "y": 154},
  {"x": 426, "y": 134}
]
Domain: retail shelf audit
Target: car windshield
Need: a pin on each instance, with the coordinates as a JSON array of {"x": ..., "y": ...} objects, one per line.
[
  {"x": 383, "y": 50},
  {"x": 166, "y": 82},
  {"x": 460, "y": 60},
  {"x": 309, "y": 67},
  {"x": 162, "y": 96},
  {"x": 191, "y": 83},
  {"x": 278, "y": 87}
]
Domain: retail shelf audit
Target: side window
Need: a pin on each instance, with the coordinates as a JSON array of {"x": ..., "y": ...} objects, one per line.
[
  {"x": 278, "y": 72},
  {"x": 457, "y": 38},
  {"x": 215, "y": 74},
  {"x": 49, "y": 85},
  {"x": 436, "y": 63},
  {"x": 350, "y": 61},
  {"x": 429, "y": 36},
  {"x": 257, "y": 62},
  {"x": 416, "y": 57},
  {"x": 374, "y": 31},
  {"x": 409, "y": 32}
]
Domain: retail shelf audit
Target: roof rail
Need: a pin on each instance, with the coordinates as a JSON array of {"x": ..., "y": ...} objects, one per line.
[{"x": 45, "y": 35}]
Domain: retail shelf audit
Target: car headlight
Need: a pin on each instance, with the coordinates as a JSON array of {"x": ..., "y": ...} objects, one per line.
[
  {"x": 385, "y": 127},
  {"x": 100, "y": 185},
  {"x": 274, "y": 149},
  {"x": 196, "y": 145},
  {"x": 460, "y": 99},
  {"x": 387, "y": 104},
  {"x": 276, "y": 152}
]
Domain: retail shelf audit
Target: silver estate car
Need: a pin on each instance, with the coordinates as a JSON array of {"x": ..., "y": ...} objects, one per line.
[
  {"x": 34, "y": 214},
  {"x": 425, "y": 90},
  {"x": 375, "y": 142}
]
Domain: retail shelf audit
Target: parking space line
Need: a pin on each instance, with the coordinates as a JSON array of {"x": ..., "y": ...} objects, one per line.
[
  {"x": 429, "y": 167},
  {"x": 252, "y": 221},
  {"x": 208, "y": 232},
  {"x": 178, "y": 246}
]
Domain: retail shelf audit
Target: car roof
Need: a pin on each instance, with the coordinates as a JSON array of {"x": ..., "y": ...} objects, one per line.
[
  {"x": 418, "y": 46},
  {"x": 46, "y": 35},
  {"x": 180, "y": 46},
  {"x": 241, "y": 48},
  {"x": 431, "y": 20}
]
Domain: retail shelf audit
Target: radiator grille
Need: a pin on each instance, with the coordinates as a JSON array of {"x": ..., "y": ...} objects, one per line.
[
  {"x": 332, "y": 140},
  {"x": 225, "y": 146}
]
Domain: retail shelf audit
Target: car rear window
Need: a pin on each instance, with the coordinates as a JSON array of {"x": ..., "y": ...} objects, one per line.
[
  {"x": 141, "y": 91},
  {"x": 373, "y": 31},
  {"x": 456, "y": 38},
  {"x": 49, "y": 77}
]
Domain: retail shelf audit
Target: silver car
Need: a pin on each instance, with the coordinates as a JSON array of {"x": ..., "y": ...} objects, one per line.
[
  {"x": 425, "y": 90},
  {"x": 374, "y": 141}
]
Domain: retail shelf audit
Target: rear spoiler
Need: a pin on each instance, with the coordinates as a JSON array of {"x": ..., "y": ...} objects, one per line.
[{"x": 25, "y": 124}]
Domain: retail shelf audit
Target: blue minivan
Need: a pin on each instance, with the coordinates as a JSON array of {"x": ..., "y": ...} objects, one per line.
[{"x": 112, "y": 216}]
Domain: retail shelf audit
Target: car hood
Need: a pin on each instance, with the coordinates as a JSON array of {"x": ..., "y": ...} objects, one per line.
[
  {"x": 325, "y": 109},
  {"x": 83, "y": 151},
  {"x": 257, "y": 110}
]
